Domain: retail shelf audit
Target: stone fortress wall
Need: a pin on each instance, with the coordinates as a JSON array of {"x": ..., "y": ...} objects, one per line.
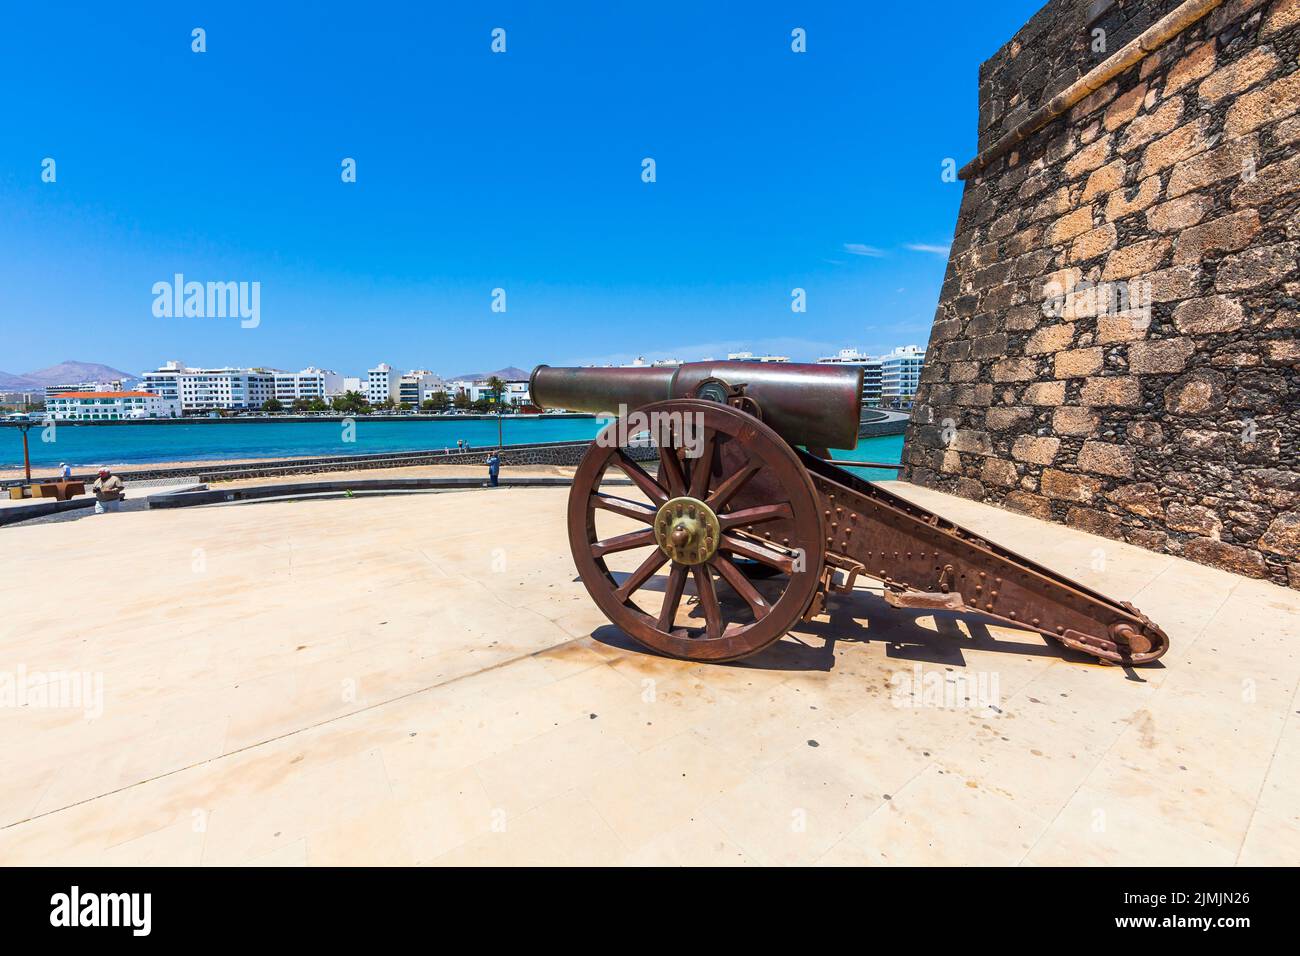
[{"x": 1117, "y": 339}]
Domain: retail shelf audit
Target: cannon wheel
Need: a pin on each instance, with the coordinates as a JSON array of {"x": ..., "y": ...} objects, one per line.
[{"x": 746, "y": 495}]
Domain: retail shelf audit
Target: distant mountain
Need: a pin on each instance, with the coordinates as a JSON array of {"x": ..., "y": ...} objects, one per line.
[
  {"x": 16, "y": 383},
  {"x": 508, "y": 374},
  {"x": 70, "y": 372}
]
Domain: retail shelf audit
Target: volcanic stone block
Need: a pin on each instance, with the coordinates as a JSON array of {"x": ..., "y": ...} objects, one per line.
[
  {"x": 1196, "y": 64},
  {"x": 1121, "y": 390},
  {"x": 1179, "y": 214},
  {"x": 1163, "y": 355},
  {"x": 1227, "y": 234},
  {"x": 1076, "y": 363},
  {"x": 1094, "y": 522},
  {"x": 1255, "y": 109},
  {"x": 1072, "y": 420},
  {"x": 1194, "y": 519},
  {"x": 1141, "y": 498},
  {"x": 1069, "y": 487},
  {"x": 1229, "y": 557},
  {"x": 1261, "y": 266},
  {"x": 1105, "y": 459},
  {"x": 1196, "y": 393},
  {"x": 1031, "y": 448},
  {"x": 1045, "y": 393},
  {"x": 1239, "y": 75},
  {"x": 1283, "y": 535}
]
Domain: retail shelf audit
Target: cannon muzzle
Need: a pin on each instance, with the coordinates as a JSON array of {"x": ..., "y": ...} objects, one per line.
[{"x": 818, "y": 406}]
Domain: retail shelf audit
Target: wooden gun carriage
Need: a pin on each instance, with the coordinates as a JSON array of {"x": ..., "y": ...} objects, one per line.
[{"x": 765, "y": 530}]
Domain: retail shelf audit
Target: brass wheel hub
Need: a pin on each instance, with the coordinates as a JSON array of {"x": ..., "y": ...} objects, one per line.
[{"x": 687, "y": 530}]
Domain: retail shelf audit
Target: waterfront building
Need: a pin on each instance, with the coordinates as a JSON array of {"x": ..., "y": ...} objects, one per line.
[
  {"x": 165, "y": 380},
  {"x": 354, "y": 383},
  {"x": 871, "y": 372},
  {"x": 103, "y": 405},
  {"x": 463, "y": 386},
  {"x": 900, "y": 374},
  {"x": 433, "y": 388},
  {"x": 226, "y": 389},
  {"x": 751, "y": 357},
  {"x": 413, "y": 385},
  {"x": 20, "y": 398},
  {"x": 211, "y": 389},
  {"x": 382, "y": 384},
  {"x": 308, "y": 384},
  {"x": 516, "y": 393}
]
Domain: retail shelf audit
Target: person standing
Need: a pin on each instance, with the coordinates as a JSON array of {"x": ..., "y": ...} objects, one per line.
[
  {"x": 65, "y": 471},
  {"x": 494, "y": 468},
  {"x": 109, "y": 491}
]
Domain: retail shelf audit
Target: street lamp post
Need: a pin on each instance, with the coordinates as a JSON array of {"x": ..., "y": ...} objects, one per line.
[{"x": 27, "y": 461}]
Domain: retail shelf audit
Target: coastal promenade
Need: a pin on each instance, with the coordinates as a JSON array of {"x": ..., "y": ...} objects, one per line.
[{"x": 423, "y": 680}]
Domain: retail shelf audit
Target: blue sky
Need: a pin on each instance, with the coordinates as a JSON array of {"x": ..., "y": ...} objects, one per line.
[{"x": 475, "y": 171}]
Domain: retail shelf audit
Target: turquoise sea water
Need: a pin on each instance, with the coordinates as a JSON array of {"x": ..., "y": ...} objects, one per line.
[{"x": 83, "y": 446}]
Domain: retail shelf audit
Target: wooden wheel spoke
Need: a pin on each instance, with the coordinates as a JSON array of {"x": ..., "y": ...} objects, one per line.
[
  {"x": 727, "y": 490},
  {"x": 745, "y": 549},
  {"x": 649, "y": 487},
  {"x": 756, "y": 515},
  {"x": 623, "y": 542},
  {"x": 670, "y": 471},
  {"x": 708, "y": 601},
  {"x": 641, "y": 575},
  {"x": 635, "y": 510},
  {"x": 702, "y": 467},
  {"x": 672, "y": 597},
  {"x": 742, "y": 586}
]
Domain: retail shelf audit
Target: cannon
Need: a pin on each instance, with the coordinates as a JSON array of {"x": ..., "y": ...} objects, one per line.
[{"x": 743, "y": 502}]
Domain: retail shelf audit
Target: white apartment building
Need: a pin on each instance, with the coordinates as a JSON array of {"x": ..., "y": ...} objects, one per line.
[
  {"x": 464, "y": 386},
  {"x": 310, "y": 383},
  {"x": 382, "y": 383},
  {"x": 516, "y": 393},
  {"x": 103, "y": 405},
  {"x": 412, "y": 386},
  {"x": 165, "y": 380},
  {"x": 229, "y": 389},
  {"x": 476, "y": 390},
  {"x": 900, "y": 375},
  {"x": 354, "y": 383},
  {"x": 871, "y": 372},
  {"x": 431, "y": 389}
]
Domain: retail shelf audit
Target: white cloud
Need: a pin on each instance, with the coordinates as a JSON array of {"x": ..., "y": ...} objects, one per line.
[
  {"x": 925, "y": 247},
  {"x": 858, "y": 249}
]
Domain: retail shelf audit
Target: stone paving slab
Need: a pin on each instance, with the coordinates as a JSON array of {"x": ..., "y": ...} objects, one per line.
[{"x": 423, "y": 681}]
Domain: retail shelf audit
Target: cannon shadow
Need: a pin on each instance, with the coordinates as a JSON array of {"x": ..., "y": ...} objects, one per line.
[{"x": 918, "y": 636}]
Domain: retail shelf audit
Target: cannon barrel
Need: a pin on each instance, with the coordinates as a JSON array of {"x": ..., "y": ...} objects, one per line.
[{"x": 813, "y": 405}]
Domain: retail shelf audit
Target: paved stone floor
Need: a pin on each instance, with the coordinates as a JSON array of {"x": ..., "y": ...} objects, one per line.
[{"x": 422, "y": 680}]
